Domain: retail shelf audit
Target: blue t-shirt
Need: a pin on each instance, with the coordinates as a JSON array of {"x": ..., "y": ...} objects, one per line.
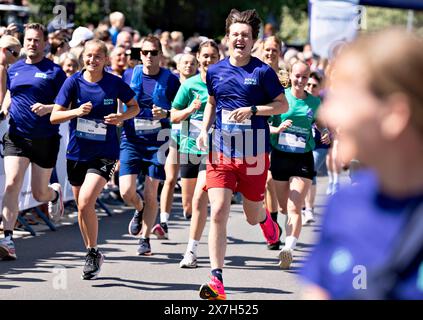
[
  {"x": 360, "y": 228},
  {"x": 30, "y": 84},
  {"x": 234, "y": 87},
  {"x": 100, "y": 140},
  {"x": 143, "y": 130},
  {"x": 127, "y": 75}
]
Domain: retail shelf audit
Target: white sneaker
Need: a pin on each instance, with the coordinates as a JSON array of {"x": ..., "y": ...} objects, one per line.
[
  {"x": 56, "y": 209},
  {"x": 189, "y": 261},
  {"x": 7, "y": 249},
  {"x": 308, "y": 216},
  {"x": 285, "y": 258}
]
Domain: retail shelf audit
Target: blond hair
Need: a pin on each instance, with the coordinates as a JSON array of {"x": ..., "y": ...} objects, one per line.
[
  {"x": 8, "y": 41},
  {"x": 392, "y": 62}
]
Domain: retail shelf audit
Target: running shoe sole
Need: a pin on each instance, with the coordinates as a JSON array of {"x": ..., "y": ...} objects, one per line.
[
  {"x": 6, "y": 256},
  {"x": 285, "y": 259},
  {"x": 208, "y": 293},
  {"x": 159, "y": 232}
]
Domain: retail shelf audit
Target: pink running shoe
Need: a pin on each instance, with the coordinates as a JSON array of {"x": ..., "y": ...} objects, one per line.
[
  {"x": 271, "y": 230},
  {"x": 213, "y": 290},
  {"x": 160, "y": 230}
]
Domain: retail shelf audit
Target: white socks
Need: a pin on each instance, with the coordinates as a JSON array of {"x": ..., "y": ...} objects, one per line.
[
  {"x": 164, "y": 217},
  {"x": 193, "y": 246},
  {"x": 290, "y": 242},
  {"x": 330, "y": 175},
  {"x": 335, "y": 177}
]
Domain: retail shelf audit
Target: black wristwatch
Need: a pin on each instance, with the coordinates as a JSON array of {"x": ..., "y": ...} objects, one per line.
[
  {"x": 167, "y": 114},
  {"x": 253, "y": 110}
]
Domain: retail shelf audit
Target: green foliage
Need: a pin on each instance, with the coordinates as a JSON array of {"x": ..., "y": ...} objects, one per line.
[{"x": 294, "y": 27}]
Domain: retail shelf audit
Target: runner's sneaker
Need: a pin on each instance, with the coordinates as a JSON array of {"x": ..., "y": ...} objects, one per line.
[
  {"x": 7, "y": 249},
  {"x": 56, "y": 209},
  {"x": 189, "y": 260},
  {"x": 160, "y": 230},
  {"x": 285, "y": 258},
  {"x": 187, "y": 216},
  {"x": 135, "y": 225},
  {"x": 308, "y": 216},
  {"x": 271, "y": 230},
  {"x": 93, "y": 261},
  {"x": 213, "y": 290},
  {"x": 329, "y": 189},
  {"x": 144, "y": 248}
]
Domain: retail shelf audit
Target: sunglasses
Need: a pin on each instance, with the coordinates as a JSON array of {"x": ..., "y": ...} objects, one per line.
[
  {"x": 154, "y": 53},
  {"x": 13, "y": 52}
]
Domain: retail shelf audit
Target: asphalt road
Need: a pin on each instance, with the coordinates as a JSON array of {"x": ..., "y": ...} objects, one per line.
[{"x": 49, "y": 265}]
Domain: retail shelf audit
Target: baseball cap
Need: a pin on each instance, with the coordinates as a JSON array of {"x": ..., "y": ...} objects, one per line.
[{"x": 80, "y": 34}]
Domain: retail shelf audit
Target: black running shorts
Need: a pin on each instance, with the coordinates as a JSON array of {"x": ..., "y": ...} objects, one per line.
[
  {"x": 284, "y": 165},
  {"x": 43, "y": 152},
  {"x": 78, "y": 169},
  {"x": 191, "y": 165}
]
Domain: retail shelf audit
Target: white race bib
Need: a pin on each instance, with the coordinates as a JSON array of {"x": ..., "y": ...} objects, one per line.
[
  {"x": 146, "y": 126},
  {"x": 291, "y": 142},
  {"x": 91, "y": 129},
  {"x": 227, "y": 121},
  {"x": 177, "y": 126},
  {"x": 195, "y": 128}
]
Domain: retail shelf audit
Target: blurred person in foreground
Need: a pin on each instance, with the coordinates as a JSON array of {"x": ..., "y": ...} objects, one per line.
[{"x": 371, "y": 243}]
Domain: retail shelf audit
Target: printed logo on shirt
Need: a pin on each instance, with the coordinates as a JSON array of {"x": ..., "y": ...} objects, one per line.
[
  {"x": 250, "y": 81},
  {"x": 16, "y": 74},
  {"x": 41, "y": 75},
  {"x": 310, "y": 113},
  {"x": 108, "y": 102},
  {"x": 103, "y": 168}
]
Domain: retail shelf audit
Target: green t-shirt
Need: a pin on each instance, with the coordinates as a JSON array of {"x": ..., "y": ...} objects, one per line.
[
  {"x": 298, "y": 138},
  {"x": 191, "y": 127}
]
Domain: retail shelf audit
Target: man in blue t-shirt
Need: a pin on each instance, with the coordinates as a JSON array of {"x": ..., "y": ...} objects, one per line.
[
  {"x": 31, "y": 139},
  {"x": 243, "y": 92},
  {"x": 143, "y": 143}
]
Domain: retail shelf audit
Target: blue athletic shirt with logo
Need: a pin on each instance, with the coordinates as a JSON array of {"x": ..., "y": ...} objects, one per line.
[
  {"x": 234, "y": 87},
  {"x": 359, "y": 230},
  {"x": 30, "y": 84},
  {"x": 85, "y": 145},
  {"x": 159, "y": 89}
]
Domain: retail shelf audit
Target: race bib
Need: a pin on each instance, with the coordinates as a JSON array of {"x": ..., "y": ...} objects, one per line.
[
  {"x": 291, "y": 142},
  {"x": 177, "y": 126},
  {"x": 195, "y": 128},
  {"x": 146, "y": 126},
  {"x": 91, "y": 129},
  {"x": 231, "y": 124}
]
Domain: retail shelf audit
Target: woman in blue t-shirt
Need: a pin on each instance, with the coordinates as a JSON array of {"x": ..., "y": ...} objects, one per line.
[{"x": 89, "y": 100}]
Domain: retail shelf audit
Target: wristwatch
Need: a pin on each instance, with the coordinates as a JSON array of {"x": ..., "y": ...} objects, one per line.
[
  {"x": 253, "y": 110},
  {"x": 167, "y": 114}
]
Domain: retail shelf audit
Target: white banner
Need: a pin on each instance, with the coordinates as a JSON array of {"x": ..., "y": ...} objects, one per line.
[
  {"x": 331, "y": 24},
  {"x": 26, "y": 200}
]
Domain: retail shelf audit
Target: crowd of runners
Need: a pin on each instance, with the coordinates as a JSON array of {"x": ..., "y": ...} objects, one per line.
[{"x": 235, "y": 117}]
